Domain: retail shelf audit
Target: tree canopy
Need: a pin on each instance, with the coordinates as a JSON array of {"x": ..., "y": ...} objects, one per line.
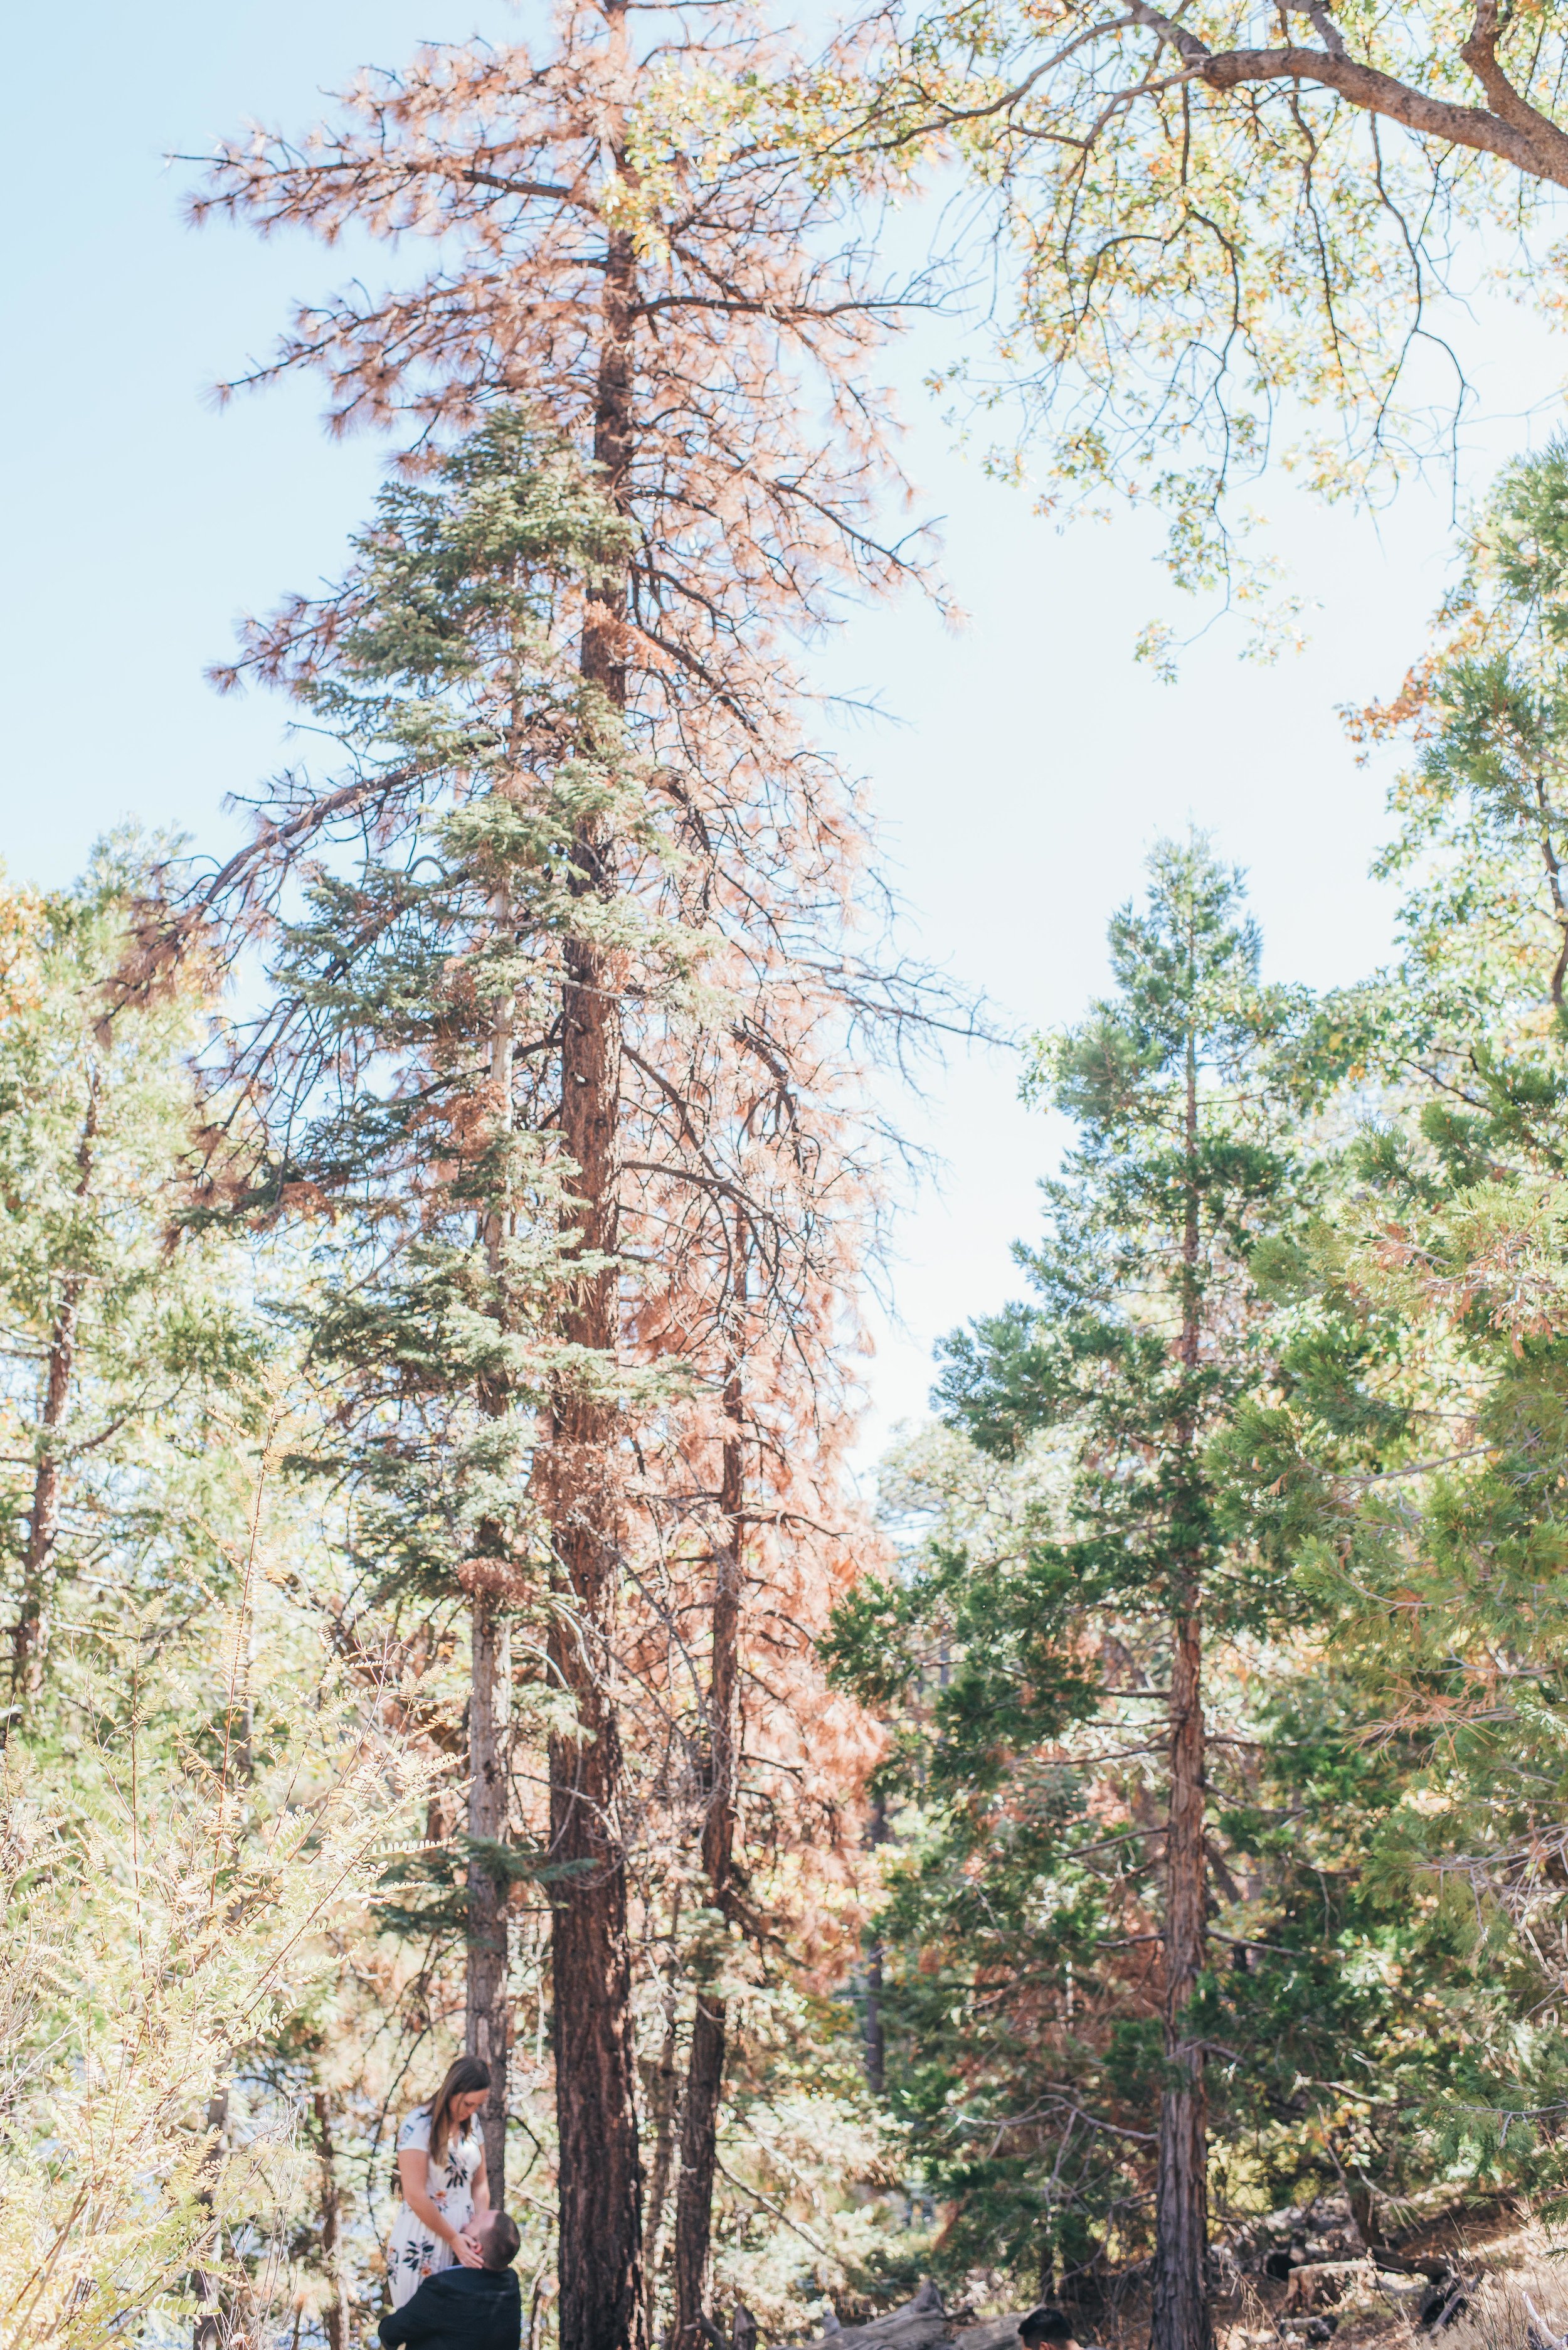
[{"x": 1224, "y": 237}]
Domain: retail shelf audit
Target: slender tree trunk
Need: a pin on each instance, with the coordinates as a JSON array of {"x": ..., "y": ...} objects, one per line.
[
  {"x": 876, "y": 2038},
  {"x": 335, "y": 2318},
  {"x": 44, "y": 1523},
  {"x": 208, "y": 2327},
  {"x": 487, "y": 2018},
  {"x": 1180, "y": 2314},
  {"x": 601, "y": 2296},
  {"x": 663, "y": 2107},
  {"x": 488, "y": 2005},
  {"x": 705, "y": 2070},
  {"x": 1181, "y": 2281}
]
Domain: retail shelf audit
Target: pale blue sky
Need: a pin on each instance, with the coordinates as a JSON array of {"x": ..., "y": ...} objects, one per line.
[{"x": 1031, "y": 762}]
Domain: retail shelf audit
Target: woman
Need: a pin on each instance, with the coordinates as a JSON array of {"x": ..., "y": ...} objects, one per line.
[{"x": 441, "y": 2167}]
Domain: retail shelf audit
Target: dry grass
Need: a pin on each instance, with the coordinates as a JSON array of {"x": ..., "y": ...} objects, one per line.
[{"x": 1526, "y": 2290}]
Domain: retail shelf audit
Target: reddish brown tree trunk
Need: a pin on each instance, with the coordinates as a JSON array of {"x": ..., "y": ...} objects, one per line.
[
  {"x": 601, "y": 2302},
  {"x": 602, "y": 2305},
  {"x": 1181, "y": 2312},
  {"x": 44, "y": 1525},
  {"x": 705, "y": 2070}
]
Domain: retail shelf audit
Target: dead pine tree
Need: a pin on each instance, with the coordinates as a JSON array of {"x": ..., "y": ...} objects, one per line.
[{"x": 756, "y": 1542}]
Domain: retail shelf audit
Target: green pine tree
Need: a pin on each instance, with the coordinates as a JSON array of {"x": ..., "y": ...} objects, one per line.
[{"x": 1066, "y": 1869}]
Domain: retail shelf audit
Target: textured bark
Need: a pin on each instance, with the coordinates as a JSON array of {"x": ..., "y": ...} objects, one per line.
[
  {"x": 699, "y": 2153},
  {"x": 601, "y": 2304},
  {"x": 44, "y": 1523},
  {"x": 1181, "y": 2312},
  {"x": 335, "y": 2316},
  {"x": 663, "y": 2113},
  {"x": 487, "y": 2016},
  {"x": 705, "y": 2069}
]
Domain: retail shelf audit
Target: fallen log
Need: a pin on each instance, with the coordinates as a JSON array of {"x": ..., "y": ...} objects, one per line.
[{"x": 922, "y": 2324}]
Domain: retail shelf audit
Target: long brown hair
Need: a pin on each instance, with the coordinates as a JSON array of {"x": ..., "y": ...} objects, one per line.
[{"x": 469, "y": 2073}]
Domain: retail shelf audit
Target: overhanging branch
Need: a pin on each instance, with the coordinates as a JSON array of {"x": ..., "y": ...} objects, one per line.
[{"x": 1508, "y": 127}]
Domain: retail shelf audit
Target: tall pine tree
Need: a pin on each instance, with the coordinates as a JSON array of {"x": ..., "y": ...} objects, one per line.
[
  {"x": 409, "y": 1074},
  {"x": 1067, "y": 1742},
  {"x": 620, "y": 255}
]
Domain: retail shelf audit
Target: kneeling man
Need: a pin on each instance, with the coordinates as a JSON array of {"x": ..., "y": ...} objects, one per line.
[{"x": 465, "y": 2308}]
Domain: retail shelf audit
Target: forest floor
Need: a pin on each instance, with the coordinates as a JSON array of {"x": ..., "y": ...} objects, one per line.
[
  {"x": 1481, "y": 2274},
  {"x": 1466, "y": 2280}
]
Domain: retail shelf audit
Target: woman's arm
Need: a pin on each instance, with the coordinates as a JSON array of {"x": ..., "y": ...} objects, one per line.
[
  {"x": 413, "y": 2171},
  {"x": 480, "y": 2189}
]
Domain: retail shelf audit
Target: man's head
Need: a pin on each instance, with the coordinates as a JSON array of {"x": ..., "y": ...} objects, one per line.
[
  {"x": 1045, "y": 2328},
  {"x": 498, "y": 2241}
]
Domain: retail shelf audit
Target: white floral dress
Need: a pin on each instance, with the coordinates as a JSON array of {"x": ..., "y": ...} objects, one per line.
[{"x": 413, "y": 2252}]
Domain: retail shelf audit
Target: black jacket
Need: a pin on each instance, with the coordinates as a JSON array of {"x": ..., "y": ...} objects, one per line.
[{"x": 458, "y": 2309}]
